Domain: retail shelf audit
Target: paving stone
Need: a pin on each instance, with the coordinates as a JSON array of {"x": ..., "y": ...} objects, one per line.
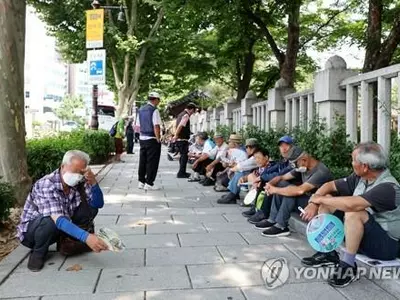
[
  {"x": 236, "y": 254},
  {"x": 53, "y": 263},
  {"x": 255, "y": 238},
  {"x": 105, "y": 220},
  {"x": 144, "y": 204},
  {"x": 143, "y": 279},
  {"x": 392, "y": 286},
  {"x": 217, "y": 210},
  {"x": 38, "y": 284},
  {"x": 211, "y": 239},
  {"x": 203, "y": 294},
  {"x": 136, "y": 220},
  {"x": 169, "y": 211},
  {"x": 302, "y": 291},
  {"x": 235, "y": 218},
  {"x": 100, "y": 296},
  {"x": 198, "y": 219},
  {"x": 24, "y": 298},
  {"x": 15, "y": 257},
  {"x": 365, "y": 289},
  {"x": 107, "y": 260},
  {"x": 227, "y": 275},
  {"x": 228, "y": 227},
  {"x": 127, "y": 229},
  {"x": 133, "y": 211},
  {"x": 175, "y": 228},
  {"x": 151, "y": 241},
  {"x": 182, "y": 256}
]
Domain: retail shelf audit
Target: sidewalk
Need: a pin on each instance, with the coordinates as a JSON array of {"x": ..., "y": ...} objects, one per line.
[{"x": 181, "y": 244}]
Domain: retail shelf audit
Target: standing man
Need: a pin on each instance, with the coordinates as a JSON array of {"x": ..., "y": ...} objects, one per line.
[
  {"x": 182, "y": 136},
  {"x": 129, "y": 131},
  {"x": 150, "y": 145}
]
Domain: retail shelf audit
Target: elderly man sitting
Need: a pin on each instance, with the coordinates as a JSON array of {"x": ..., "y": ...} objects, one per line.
[
  {"x": 201, "y": 162},
  {"x": 287, "y": 197},
  {"x": 240, "y": 169},
  {"x": 60, "y": 208},
  {"x": 370, "y": 200}
]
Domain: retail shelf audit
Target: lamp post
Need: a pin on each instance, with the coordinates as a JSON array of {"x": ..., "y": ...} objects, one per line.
[{"x": 94, "y": 123}]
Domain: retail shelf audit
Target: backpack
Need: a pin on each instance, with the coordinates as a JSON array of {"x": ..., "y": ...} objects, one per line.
[{"x": 113, "y": 130}]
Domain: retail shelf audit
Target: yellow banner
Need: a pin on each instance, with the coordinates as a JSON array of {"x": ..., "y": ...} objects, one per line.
[{"x": 94, "y": 28}]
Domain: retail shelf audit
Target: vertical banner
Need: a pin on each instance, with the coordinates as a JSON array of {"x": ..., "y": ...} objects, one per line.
[
  {"x": 94, "y": 28},
  {"x": 96, "y": 60}
]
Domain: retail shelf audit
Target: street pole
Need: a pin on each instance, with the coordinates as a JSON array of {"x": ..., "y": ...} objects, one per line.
[{"x": 94, "y": 124}]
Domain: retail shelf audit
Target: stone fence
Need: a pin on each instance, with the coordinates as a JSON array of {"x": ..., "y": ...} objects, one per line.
[{"x": 364, "y": 99}]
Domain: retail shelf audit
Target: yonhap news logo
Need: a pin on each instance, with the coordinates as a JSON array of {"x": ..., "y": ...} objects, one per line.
[{"x": 275, "y": 272}]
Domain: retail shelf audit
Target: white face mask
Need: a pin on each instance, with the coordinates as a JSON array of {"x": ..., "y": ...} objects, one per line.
[
  {"x": 72, "y": 179},
  {"x": 301, "y": 169}
]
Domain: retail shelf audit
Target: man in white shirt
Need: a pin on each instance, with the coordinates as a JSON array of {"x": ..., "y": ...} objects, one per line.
[
  {"x": 200, "y": 164},
  {"x": 150, "y": 146}
]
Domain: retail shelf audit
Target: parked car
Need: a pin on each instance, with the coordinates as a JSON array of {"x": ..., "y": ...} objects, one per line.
[{"x": 68, "y": 126}]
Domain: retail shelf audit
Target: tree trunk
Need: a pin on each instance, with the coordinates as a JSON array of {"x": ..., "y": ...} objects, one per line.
[
  {"x": 245, "y": 77},
  {"x": 13, "y": 165},
  {"x": 288, "y": 69},
  {"x": 374, "y": 33}
]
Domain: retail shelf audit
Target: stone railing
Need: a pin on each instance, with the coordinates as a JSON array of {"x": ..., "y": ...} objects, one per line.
[
  {"x": 299, "y": 109},
  {"x": 261, "y": 117},
  {"x": 338, "y": 91},
  {"x": 237, "y": 119},
  {"x": 359, "y": 93}
]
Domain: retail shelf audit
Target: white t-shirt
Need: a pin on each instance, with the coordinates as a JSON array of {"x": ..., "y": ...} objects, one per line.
[
  {"x": 156, "y": 121},
  {"x": 236, "y": 155},
  {"x": 219, "y": 152},
  {"x": 208, "y": 147}
]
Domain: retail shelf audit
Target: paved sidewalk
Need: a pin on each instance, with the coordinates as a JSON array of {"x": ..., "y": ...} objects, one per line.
[{"x": 180, "y": 245}]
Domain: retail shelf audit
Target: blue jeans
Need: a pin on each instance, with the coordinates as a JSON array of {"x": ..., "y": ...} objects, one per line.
[
  {"x": 282, "y": 207},
  {"x": 233, "y": 183}
]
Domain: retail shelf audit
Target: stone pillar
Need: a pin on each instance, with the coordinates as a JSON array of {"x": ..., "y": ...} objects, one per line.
[
  {"x": 351, "y": 112},
  {"x": 384, "y": 112},
  {"x": 247, "y": 109},
  {"x": 310, "y": 109},
  {"x": 276, "y": 104},
  {"x": 229, "y": 106},
  {"x": 215, "y": 117},
  {"x": 267, "y": 119},
  {"x": 295, "y": 112},
  {"x": 367, "y": 114},
  {"x": 330, "y": 97},
  {"x": 303, "y": 112},
  {"x": 262, "y": 125},
  {"x": 288, "y": 113}
]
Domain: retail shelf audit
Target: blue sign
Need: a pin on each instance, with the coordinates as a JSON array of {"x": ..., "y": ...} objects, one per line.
[
  {"x": 96, "y": 67},
  {"x": 325, "y": 232}
]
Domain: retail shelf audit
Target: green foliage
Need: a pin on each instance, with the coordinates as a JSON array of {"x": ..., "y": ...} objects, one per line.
[
  {"x": 67, "y": 109},
  {"x": 394, "y": 156},
  {"x": 45, "y": 155},
  {"x": 7, "y": 200}
]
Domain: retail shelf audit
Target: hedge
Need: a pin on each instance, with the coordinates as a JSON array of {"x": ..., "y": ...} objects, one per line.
[{"x": 45, "y": 155}]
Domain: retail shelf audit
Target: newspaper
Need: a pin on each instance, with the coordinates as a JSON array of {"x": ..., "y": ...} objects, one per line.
[{"x": 112, "y": 239}]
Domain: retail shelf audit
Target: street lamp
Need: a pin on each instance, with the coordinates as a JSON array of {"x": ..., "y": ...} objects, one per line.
[{"x": 94, "y": 124}]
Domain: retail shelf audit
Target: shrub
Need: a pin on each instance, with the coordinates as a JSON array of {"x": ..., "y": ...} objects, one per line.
[
  {"x": 7, "y": 200},
  {"x": 45, "y": 155}
]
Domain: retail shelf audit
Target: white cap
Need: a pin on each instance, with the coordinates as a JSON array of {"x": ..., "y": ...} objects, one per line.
[{"x": 154, "y": 95}]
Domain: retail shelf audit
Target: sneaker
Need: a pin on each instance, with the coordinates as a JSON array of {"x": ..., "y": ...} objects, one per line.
[
  {"x": 208, "y": 182},
  {"x": 343, "y": 275},
  {"x": 249, "y": 213},
  {"x": 153, "y": 187},
  {"x": 187, "y": 175},
  {"x": 257, "y": 217},
  {"x": 220, "y": 188},
  {"x": 141, "y": 185},
  {"x": 264, "y": 224},
  {"x": 321, "y": 259},
  {"x": 276, "y": 232},
  {"x": 228, "y": 199},
  {"x": 35, "y": 262}
]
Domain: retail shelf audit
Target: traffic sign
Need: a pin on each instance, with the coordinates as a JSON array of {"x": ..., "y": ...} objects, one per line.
[
  {"x": 96, "y": 60},
  {"x": 94, "y": 28}
]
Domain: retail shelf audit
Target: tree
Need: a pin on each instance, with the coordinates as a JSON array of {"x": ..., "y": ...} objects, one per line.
[
  {"x": 126, "y": 43},
  {"x": 13, "y": 165},
  {"x": 67, "y": 110},
  {"x": 382, "y": 34}
]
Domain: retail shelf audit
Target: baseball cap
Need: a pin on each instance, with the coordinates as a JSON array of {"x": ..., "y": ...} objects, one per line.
[
  {"x": 154, "y": 95},
  {"x": 294, "y": 154},
  {"x": 191, "y": 105},
  {"x": 285, "y": 139},
  {"x": 218, "y": 135}
]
